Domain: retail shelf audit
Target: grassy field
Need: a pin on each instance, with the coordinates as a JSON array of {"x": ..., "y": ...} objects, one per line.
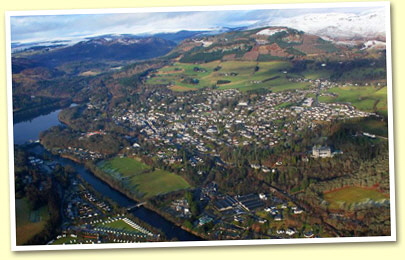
[
  {"x": 365, "y": 98},
  {"x": 243, "y": 75},
  {"x": 317, "y": 74},
  {"x": 375, "y": 127},
  {"x": 29, "y": 223},
  {"x": 158, "y": 182},
  {"x": 138, "y": 177},
  {"x": 121, "y": 226},
  {"x": 350, "y": 195},
  {"x": 64, "y": 240},
  {"x": 181, "y": 88},
  {"x": 125, "y": 166},
  {"x": 369, "y": 125}
]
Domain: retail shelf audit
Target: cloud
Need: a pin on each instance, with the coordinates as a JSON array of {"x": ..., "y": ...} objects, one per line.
[
  {"x": 52, "y": 27},
  {"x": 63, "y": 26}
]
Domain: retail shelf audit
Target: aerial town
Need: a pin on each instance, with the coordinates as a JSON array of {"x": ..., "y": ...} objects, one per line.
[{"x": 267, "y": 132}]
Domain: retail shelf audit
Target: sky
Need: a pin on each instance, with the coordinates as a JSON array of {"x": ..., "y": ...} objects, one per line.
[{"x": 36, "y": 27}]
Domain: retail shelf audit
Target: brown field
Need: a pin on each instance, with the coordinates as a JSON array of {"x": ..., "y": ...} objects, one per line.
[
  {"x": 251, "y": 55},
  {"x": 161, "y": 72},
  {"x": 352, "y": 194},
  {"x": 181, "y": 88},
  {"x": 89, "y": 73},
  {"x": 29, "y": 223}
]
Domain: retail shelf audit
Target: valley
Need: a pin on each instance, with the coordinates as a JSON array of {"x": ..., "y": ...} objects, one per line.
[{"x": 264, "y": 133}]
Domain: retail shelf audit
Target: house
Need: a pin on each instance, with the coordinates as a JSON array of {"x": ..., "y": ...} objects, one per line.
[
  {"x": 255, "y": 166},
  {"x": 250, "y": 202},
  {"x": 204, "y": 220},
  {"x": 308, "y": 234},
  {"x": 308, "y": 102},
  {"x": 298, "y": 211},
  {"x": 225, "y": 204},
  {"x": 280, "y": 231},
  {"x": 265, "y": 169},
  {"x": 262, "y": 196},
  {"x": 321, "y": 151},
  {"x": 290, "y": 231}
]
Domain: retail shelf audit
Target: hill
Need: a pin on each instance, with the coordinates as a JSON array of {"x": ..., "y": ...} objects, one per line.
[
  {"x": 107, "y": 49},
  {"x": 117, "y": 65},
  {"x": 262, "y": 44}
]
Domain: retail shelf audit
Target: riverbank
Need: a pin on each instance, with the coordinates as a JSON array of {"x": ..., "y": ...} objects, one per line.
[
  {"x": 113, "y": 184},
  {"x": 172, "y": 231},
  {"x": 28, "y": 114}
]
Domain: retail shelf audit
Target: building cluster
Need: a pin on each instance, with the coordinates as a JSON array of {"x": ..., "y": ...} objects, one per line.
[
  {"x": 80, "y": 153},
  {"x": 106, "y": 230},
  {"x": 180, "y": 208},
  {"x": 214, "y": 118},
  {"x": 231, "y": 216}
]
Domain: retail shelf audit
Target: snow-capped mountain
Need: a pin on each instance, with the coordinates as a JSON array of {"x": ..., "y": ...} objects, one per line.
[
  {"x": 374, "y": 45},
  {"x": 339, "y": 26}
]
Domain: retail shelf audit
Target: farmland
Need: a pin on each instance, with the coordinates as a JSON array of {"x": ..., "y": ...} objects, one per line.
[
  {"x": 139, "y": 178},
  {"x": 29, "y": 222},
  {"x": 242, "y": 75}
]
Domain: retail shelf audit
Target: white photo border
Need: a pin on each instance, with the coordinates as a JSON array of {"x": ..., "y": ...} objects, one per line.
[{"x": 211, "y": 243}]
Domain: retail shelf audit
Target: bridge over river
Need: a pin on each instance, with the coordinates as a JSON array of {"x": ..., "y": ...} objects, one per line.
[{"x": 136, "y": 206}]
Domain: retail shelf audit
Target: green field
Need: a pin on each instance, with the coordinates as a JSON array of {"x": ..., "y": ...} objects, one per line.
[
  {"x": 139, "y": 178},
  {"x": 365, "y": 98},
  {"x": 368, "y": 125},
  {"x": 119, "y": 226},
  {"x": 317, "y": 74},
  {"x": 125, "y": 166},
  {"x": 352, "y": 195},
  {"x": 159, "y": 182},
  {"x": 64, "y": 240},
  {"x": 243, "y": 75},
  {"x": 29, "y": 223}
]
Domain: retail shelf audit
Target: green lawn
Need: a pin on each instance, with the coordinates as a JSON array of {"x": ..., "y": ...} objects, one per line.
[
  {"x": 119, "y": 225},
  {"x": 352, "y": 195},
  {"x": 65, "y": 240},
  {"x": 284, "y": 105},
  {"x": 29, "y": 223}
]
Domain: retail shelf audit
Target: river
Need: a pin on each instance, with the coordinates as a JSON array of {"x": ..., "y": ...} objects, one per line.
[{"x": 29, "y": 130}]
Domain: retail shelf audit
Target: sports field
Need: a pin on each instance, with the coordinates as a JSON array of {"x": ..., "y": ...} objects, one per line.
[
  {"x": 137, "y": 177},
  {"x": 350, "y": 195},
  {"x": 29, "y": 223}
]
